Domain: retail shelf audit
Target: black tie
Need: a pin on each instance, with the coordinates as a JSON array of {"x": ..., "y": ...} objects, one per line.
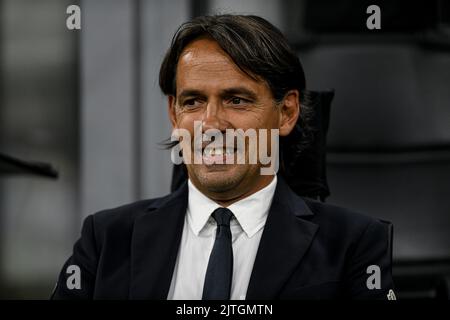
[{"x": 220, "y": 266}]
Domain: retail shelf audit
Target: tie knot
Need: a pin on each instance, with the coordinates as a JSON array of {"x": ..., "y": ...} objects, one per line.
[{"x": 222, "y": 216}]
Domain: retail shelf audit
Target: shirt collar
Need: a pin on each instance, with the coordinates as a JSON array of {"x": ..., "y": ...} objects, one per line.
[{"x": 250, "y": 212}]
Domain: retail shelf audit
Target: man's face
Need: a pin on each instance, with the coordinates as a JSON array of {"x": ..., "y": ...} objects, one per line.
[{"x": 213, "y": 91}]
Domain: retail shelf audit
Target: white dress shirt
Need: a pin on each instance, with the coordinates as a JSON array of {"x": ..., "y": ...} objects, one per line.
[{"x": 199, "y": 232}]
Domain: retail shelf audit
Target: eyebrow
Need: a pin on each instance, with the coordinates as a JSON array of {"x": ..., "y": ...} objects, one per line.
[
  {"x": 189, "y": 93},
  {"x": 240, "y": 91},
  {"x": 224, "y": 93}
]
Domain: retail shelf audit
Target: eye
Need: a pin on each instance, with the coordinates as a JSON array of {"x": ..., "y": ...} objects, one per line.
[
  {"x": 191, "y": 103},
  {"x": 236, "y": 100}
]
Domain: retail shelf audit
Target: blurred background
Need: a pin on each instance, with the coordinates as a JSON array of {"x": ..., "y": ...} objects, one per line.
[{"x": 81, "y": 116}]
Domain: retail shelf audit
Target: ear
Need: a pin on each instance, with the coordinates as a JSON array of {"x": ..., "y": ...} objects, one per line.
[
  {"x": 290, "y": 111},
  {"x": 171, "y": 101}
]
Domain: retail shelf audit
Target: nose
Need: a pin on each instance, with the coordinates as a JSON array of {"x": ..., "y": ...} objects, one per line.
[{"x": 214, "y": 116}]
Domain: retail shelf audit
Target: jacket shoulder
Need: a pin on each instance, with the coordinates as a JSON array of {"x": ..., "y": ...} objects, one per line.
[
  {"x": 343, "y": 223},
  {"x": 119, "y": 221},
  {"x": 332, "y": 211}
]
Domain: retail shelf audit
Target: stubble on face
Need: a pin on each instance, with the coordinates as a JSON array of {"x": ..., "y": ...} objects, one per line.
[{"x": 206, "y": 71}]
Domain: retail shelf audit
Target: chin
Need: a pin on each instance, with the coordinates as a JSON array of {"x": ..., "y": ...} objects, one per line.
[{"x": 219, "y": 178}]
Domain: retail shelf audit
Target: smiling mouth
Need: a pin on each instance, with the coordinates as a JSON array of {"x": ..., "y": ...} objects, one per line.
[
  {"x": 211, "y": 152},
  {"x": 218, "y": 156}
]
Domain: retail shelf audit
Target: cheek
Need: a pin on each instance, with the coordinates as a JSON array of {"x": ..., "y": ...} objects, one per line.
[
  {"x": 271, "y": 119},
  {"x": 186, "y": 119},
  {"x": 185, "y": 124},
  {"x": 275, "y": 120},
  {"x": 255, "y": 120}
]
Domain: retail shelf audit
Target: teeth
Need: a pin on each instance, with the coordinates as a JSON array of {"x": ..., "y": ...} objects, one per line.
[{"x": 210, "y": 152}]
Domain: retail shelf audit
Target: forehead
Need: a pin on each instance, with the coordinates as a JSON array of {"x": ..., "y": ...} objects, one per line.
[{"x": 203, "y": 63}]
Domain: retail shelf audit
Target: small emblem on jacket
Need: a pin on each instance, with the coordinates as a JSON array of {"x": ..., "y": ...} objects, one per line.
[{"x": 391, "y": 295}]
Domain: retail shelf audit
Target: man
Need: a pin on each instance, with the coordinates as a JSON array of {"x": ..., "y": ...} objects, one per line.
[{"x": 230, "y": 232}]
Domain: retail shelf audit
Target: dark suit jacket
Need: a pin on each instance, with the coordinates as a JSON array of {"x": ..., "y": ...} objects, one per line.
[{"x": 308, "y": 250}]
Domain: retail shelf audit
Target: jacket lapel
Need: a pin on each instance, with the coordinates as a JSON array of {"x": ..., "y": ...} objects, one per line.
[
  {"x": 154, "y": 246},
  {"x": 285, "y": 239}
]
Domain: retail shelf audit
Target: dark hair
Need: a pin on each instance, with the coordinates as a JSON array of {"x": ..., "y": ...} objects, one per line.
[{"x": 260, "y": 50}]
